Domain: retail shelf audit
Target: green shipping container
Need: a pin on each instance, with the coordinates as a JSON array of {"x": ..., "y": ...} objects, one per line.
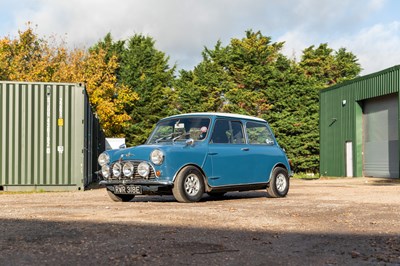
[
  {"x": 49, "y": 137},
  {"x": 359, "y": 126}
]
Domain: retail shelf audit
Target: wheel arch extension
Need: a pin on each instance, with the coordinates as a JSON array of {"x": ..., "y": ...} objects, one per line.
[
  {"x": 206, "y": 186},
  {"x": 278, "y": 165}
]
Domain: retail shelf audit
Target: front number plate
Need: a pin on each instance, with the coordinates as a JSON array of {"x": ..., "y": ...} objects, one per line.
[{"x": 127, "y": 189}]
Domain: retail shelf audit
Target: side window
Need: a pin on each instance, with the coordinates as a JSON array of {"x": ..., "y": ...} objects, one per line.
[
  {"x": 259, "y": 134},
  {"x": 221, "y": 129},
  {"x": 237, "y": 132},
  {"x": 226, "y": 131}
]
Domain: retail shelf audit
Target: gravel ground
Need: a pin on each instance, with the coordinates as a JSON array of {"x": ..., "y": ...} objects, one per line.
[{"x": 351, "y": 221}]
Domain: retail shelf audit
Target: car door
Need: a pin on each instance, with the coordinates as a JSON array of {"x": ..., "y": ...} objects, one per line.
[
  {"x": 263, "y": 151},
  {"x": 228, "y": 154}
]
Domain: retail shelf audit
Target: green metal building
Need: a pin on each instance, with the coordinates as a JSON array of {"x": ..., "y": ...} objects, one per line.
[
  {"x": 49, "y": 137},
  {"x": 359, "y": 126}
]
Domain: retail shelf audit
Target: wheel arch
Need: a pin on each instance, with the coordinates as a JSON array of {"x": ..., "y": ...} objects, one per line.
[
  {"x": 277, "y": 189},
  {"x": 282, "y": 165},
  {"x": 196, "y": 166}
]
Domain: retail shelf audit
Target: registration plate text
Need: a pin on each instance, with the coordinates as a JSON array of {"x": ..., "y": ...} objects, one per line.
[{"x": 127, "y": 189}]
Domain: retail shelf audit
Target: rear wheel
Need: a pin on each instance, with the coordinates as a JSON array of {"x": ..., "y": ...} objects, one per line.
[
  {"x": 279, "y": 183},
  {"x": 188, "y": 185},
  {"x": 120, "y": 197}
]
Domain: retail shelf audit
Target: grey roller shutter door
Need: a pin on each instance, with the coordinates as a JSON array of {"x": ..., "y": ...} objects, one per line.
[{"x": 381, "y": 138}]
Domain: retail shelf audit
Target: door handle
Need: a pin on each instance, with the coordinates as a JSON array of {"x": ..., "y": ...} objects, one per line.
[
  {"x": 212, "y": 153},
  {"x": 245, "y": 149}
]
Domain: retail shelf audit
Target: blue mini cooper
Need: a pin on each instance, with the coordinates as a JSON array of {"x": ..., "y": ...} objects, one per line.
[{"x": 191, "y": 154}]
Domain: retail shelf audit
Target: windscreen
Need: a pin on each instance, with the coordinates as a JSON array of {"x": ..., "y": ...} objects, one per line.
[{"x": 180, "y": 129}]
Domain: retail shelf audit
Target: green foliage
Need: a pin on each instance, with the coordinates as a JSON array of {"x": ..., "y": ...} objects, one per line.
[
  {"x": 251, "y": 76},
  {"x": 143, "y": 70},
  {"x": 131, "y": 85},
  {"x": 112, "y": 48},
  {"x": 327, "y": 67},
  {"x": 204, "y": 88},
  {"x": 146, "y": 71}
]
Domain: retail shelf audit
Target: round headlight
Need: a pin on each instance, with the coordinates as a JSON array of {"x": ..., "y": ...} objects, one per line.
[
  {"x": 116, "y": 170},
  {"x": 143, "y": 169},
  {"x": 157, "y": 157},
  {"x": 128, "y": 169},
  {"x": 103, "y": 159},
  {"x": 105, "y": 171}
]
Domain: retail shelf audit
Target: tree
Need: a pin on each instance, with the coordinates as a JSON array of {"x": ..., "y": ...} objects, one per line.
[
  {"x": 327, "y": 67},
  {"x": 297, "y": 119},
  {"x": 131, "y": 85},
  {"x": 204, "y": 88},
  {"x": 27, "y": 58},
  {"x": 145, "y": 70},
  {"x": 252, "y": 65},
  {"x": 251, "y": 76},
  {"x": 294, "y": 118},
  {"x": 234, "y": 78},
  {"x": 110, "y": 99},
  {"x": 113, "y": 49},
  {"x": 30, "y": 58}
]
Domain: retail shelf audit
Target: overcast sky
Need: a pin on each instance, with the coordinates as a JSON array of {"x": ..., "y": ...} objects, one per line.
[{"x": 181, "y": 28}]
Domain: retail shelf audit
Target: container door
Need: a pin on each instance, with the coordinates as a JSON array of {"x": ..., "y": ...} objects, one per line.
[{"x": 381, "y": 137}]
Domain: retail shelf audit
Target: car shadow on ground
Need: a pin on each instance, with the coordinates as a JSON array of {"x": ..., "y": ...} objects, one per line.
[
  {"x": 384, "y": 182},
  {"x": 228, "y": 196},
  {"x": 38, "y": 242}
]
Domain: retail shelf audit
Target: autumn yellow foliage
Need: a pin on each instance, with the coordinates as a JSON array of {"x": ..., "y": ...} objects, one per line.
[{"x": 28, "y": 58}]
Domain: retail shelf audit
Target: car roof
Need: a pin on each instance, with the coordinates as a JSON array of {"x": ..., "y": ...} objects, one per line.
[{"x": 217, "y": 114}]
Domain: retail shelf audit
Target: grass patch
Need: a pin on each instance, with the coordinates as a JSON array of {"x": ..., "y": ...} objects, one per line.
[{"x": 308, "y": 176}]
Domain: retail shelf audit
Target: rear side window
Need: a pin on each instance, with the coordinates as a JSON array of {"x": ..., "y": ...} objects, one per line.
[
  {"x": 259, "y": 134},
  {"x": 226, "y": 131}
]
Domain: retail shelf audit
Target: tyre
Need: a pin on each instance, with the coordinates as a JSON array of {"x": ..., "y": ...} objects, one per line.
[
  {"x": 279, "y": 183},
  {"x": 120, "y": 197},
  {"x": 188, "y": 185}
]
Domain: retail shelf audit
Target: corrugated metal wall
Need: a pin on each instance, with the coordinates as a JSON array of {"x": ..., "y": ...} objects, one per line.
[
  {"x": 48, "y": 137},
  {"x": 341, "y": 118}
]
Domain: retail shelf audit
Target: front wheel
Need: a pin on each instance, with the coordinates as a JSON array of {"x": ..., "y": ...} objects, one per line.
[
  {"x": 279, "y": 183},
  {"x": 120, "y": 198},
  {"x": 188, "y": 185}
]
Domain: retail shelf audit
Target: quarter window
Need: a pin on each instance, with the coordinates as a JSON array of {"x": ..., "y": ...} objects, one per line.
[{"x": 259, "y": 134}]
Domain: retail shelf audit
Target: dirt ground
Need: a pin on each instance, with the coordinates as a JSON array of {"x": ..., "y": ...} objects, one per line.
[{"x": 320, "y": 222}]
